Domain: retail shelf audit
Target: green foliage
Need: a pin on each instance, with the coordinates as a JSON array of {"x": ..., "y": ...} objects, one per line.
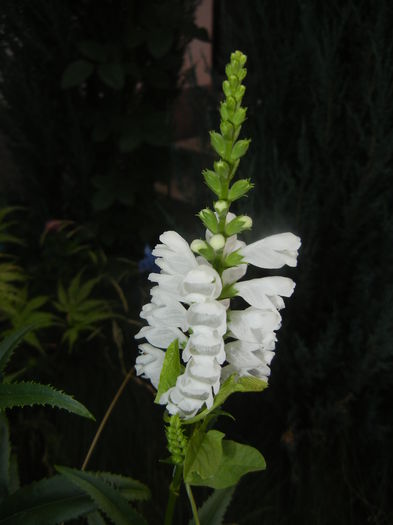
[
  {"x": 96, "y": 104},
  {"x": 214, "y": 462},
  {"x": 83, "y": 314},
  {"x": 56, "y": 500},
  {"x": 108, "y": 499},
  {"x": 214, "y": 508},
  {"x": 171, "y": 369},
  {"x": 232, "y": 384},
  {"x": 29, "y": 394}
]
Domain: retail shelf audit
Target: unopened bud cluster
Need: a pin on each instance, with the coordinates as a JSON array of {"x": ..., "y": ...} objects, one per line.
[
  {"x": 177, "y": 442},
  {"x": 230, "y": 151}
]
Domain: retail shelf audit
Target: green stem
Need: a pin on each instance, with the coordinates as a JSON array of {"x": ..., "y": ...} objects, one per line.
[
  {"x": 173, "y": 494},
  {"x": 193, "y": 505}
]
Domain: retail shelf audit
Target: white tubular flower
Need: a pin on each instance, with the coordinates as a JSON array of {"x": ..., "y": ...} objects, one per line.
[
  {"x": 200, "y": 284},
  {"x": 266, "y": 292},
  {"x": 273, "y": 252},
  {"x": 174, "y": 255},
  {"x": 149, "y": 363}
]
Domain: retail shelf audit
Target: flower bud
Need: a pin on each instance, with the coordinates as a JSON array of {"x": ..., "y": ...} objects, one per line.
[
  {"x": 209, "y": 219},
  {"x": 238, "y": 224},
  {"x": 217, "y": 242},
  {"x": 221, "y": 168},
  {"x": 221, "y": 207},
  {"x": 202, "y": 248},
  {"x": 226, "y": 129}
]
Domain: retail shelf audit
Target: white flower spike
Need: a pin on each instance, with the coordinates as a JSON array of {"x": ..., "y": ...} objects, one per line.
[{"x": 191, "y": 298}]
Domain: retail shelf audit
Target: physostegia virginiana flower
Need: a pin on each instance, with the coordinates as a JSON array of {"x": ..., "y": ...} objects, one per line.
[{"x": 191, "y": 298}]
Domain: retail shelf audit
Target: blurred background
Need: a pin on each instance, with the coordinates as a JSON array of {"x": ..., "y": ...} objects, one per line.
[{"x": 105, "y": 108}]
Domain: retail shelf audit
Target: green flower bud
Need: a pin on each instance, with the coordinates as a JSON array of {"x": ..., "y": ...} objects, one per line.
[
  {"x": 221, "y": 207},
  {"x": 203, "y": 248},
  {"x": 240, "y": 93},
  {"x": 209, "y": 219},
  {"x": 226, "y": 88},
  {"x": 239, "y": 189},
  {"x": 217, "y": 242},
  {"x": 221, "y": 168},
  {"x": 218, "y": 143},
  {"x": 231, "y": 104},
  {"x": 240, "y": 149},
  {"x": 226, "y": 129},
  {"x": 238, "y": 224},
  {"x": 233, "y": 82},
  {"x": 213, "y": 181},
  {"x": 239, "y": 116},
  {"x": 224, "y": 113}
]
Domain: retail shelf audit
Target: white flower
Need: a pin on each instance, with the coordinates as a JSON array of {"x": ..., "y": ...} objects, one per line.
[
  {"x": 273, "y": 252},
  {"x": 184, "y": 306},
  {"x": 149, "y": 363}
]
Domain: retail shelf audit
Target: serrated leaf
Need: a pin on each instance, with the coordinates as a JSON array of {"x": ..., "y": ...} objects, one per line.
[
  {"x": 171, "y": 369},
  {"x": 5, "y": 451},
  {"x": 28, "y": 394},
  {"x": 9, "y": 344},
  {"x": 132, "y": 489},
  {"x": 112, "y": 74},
  {"x": 109, "y": 500},
  {"x": 214, "y": 508},
  {"x": 203, "y": 455},
  {"x": 76, "y": 73},
  {"x": 46, "y": 502}
]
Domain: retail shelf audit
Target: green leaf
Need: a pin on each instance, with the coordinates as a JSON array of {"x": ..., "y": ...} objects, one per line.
[
  {"x": 132, "y": 489},
  {"x": 232, "y": 384},
  {"x": 9, "y": 344},
  {"x": 240, "y": 148},
  {"x": 171, "y": 369},
  {"x": 218, "y": 143},
  {"x": 214, "y": 508},
  {"x": 213, "y": 181},
  {"x": 112, "y": 75},
  {"x": 237, "y": 460},
  {"x": 5, "y": 450},
  {"x": 108, "y": 499},
  {"x": 76, "y": 73},
  {"x": 239, "y": 189},
  {"x": 57, "y": 499},
  {"x": 28, "y": 394},
  {"x": 203, "y": 455},
  {"x": 46, "y": 502}
]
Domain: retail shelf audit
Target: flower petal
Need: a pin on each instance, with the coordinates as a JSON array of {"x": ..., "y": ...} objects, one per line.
[
  {"x": 259, "y": 292},
  {"x": 273, "y": 252}
]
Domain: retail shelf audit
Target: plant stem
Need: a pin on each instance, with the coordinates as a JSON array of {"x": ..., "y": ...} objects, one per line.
[
  {"x": 193, "y": 505},
  {"x": 174, "y": 488},
  {"x": 105, "y": 418}
]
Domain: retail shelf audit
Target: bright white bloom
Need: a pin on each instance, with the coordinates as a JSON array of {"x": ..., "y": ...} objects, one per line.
[
  {"x": 272, "y": 252},
  {"x": 149, "y": 363},
  {"x": 185, "y": 306}
]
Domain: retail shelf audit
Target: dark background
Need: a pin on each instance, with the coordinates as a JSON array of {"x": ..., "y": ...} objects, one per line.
[{"x": 93, "y": 116}]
